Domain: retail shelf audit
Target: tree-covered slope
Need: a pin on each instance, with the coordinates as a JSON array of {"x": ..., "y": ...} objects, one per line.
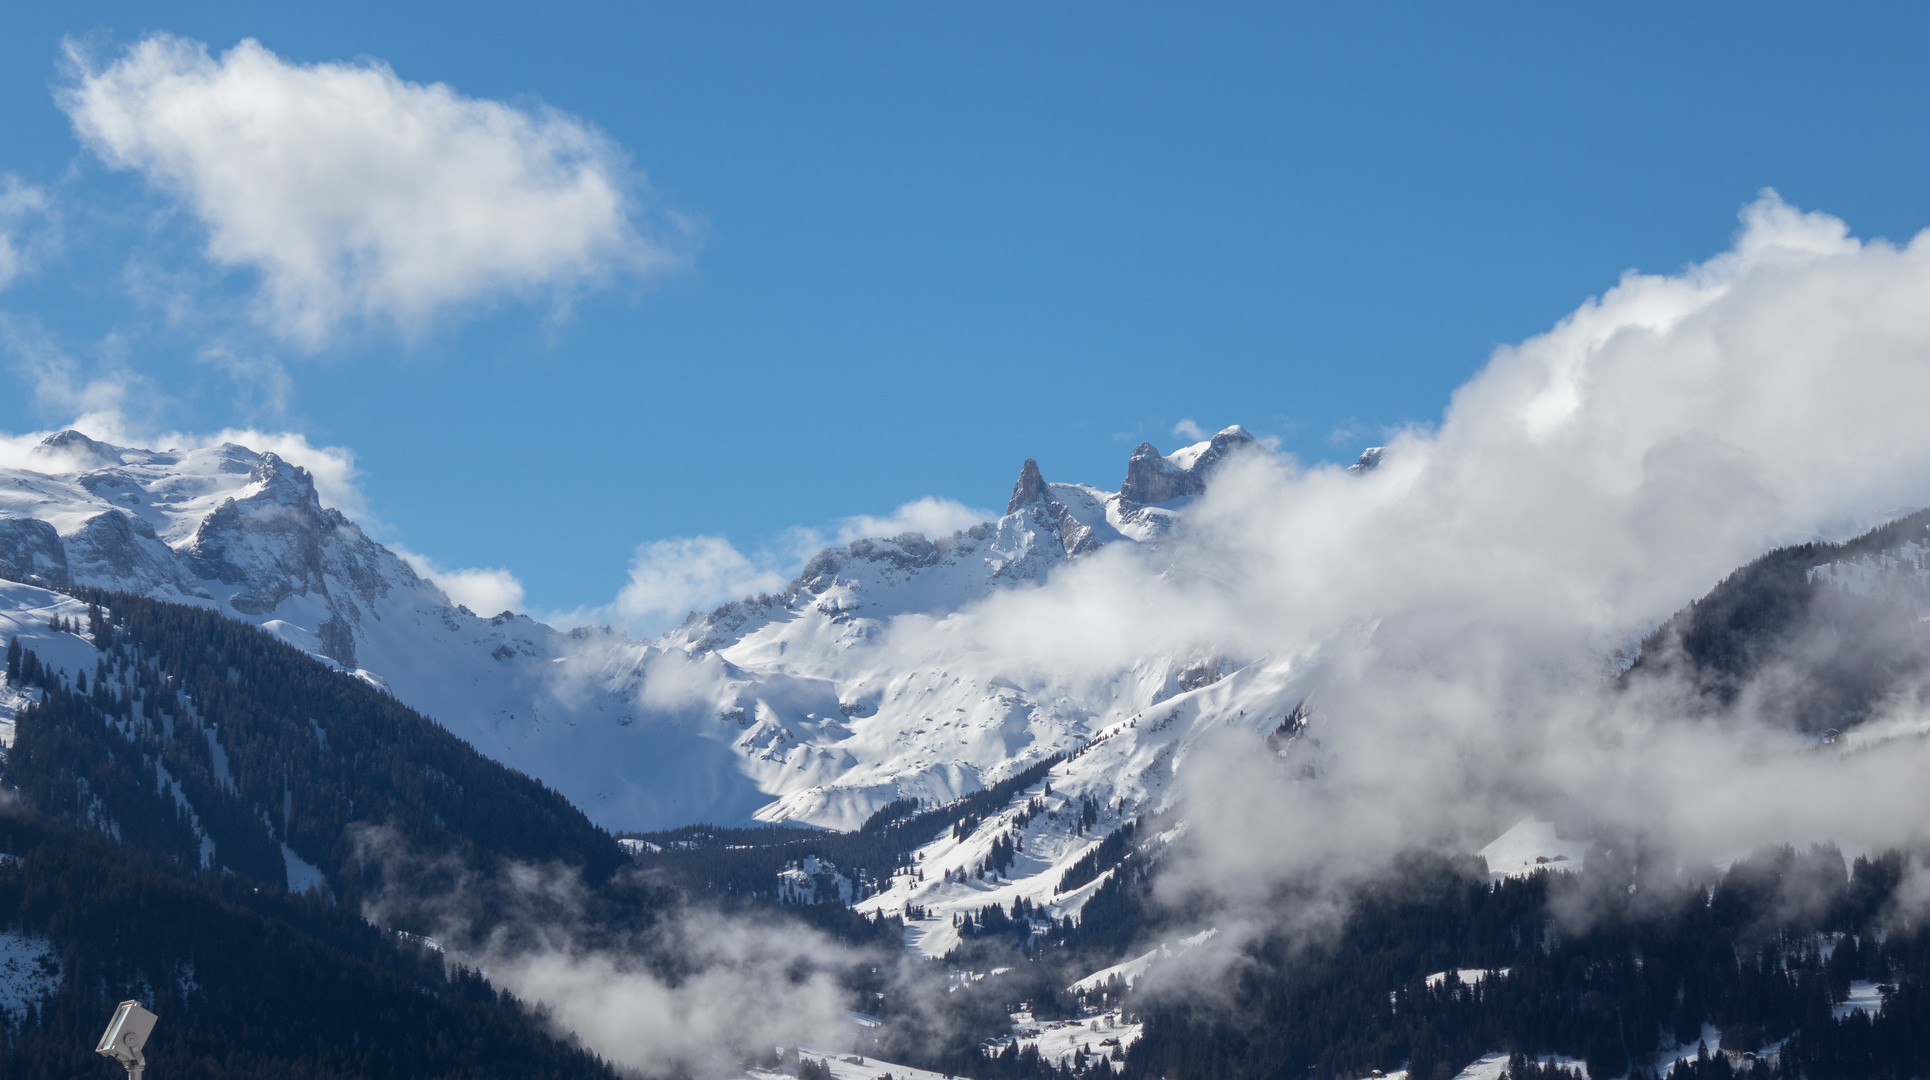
[
  {"x": 208, "y": 742},
  {"x": 248, "y": 982},
  {"x": 1621, "y": 968},
  {"x": 1821, "y": 631}
]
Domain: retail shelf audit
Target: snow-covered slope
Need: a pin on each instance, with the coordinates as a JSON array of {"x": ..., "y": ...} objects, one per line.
[
  {"x": 779, "y": 707},
  {"x": 1126, "y": 765}
]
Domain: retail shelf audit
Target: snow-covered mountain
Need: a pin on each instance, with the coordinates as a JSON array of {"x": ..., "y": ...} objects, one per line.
[{"x": 781, "y": 707}]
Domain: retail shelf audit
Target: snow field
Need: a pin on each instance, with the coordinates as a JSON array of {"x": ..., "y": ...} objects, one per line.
[{"x": 1529, "y": 846}]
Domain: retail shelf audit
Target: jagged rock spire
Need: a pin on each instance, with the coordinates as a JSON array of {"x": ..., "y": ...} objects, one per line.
[{"x": 1029, "y": 489}]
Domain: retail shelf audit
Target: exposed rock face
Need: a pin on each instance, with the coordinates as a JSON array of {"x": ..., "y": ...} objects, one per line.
[
  {"x": 338, "y": 640},
  {"x": 1150, "y": 478},
  {"x": 30, "y": 551},
  {"x": 903, "y": 554},
  {"x": 1032, "y": 496},
  {"x": 1226, "y": 441},
  {"x": 1153, "y": 478},
  {"x": 121, "y": 549},
  {"x": 1074, "y": 535},
  {"x": 269, "y": 543},
  {"x": 1029, "y": 489}
]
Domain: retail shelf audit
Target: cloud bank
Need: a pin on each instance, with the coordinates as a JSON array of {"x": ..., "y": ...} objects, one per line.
[
  {"x": 356, "y": 194},
  {"x": 1453, "y": 616}
]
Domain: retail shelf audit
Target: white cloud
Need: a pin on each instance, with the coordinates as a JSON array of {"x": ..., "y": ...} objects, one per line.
[
  {"x": 932, "y": 516},
  {"x": 484, "y": 590},
  {"x": 1190, "y": 431},
  {"x": 746, "y": 982},
  {"x": 1453, "y": 613},
  {"x": 356, "y": 194},
  {"x": 23, "y": 209},
  {"x": 669, "y": 578}
]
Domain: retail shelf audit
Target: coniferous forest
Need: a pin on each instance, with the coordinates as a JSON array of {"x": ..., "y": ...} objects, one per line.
[
  {"x": 270, "y": 748},
  {"x": 251, "y": 981}
]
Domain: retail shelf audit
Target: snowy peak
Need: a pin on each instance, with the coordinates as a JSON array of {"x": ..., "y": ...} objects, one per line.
[
  {"x": 269, "y": 541},
  {"x": 803, "y": 705},
  {"x": 221, "y": 525},
  {"x": 1044, "y": 524},
  {"x": 77, "y": 452}
]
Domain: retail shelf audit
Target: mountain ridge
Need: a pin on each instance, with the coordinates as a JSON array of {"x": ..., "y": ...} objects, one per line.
[{"x": 248, "y": 534}]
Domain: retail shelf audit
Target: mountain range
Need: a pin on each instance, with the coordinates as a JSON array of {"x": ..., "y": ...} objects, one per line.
[
  {"x": 847, "y": 750},
  {"x": 787, "y": 707}
]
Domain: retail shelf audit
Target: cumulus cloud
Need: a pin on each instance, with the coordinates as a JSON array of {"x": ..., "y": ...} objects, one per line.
[
  {"x": 669, "y": 578},
  {"x": 356, "y": 194},
  {"x": 485, "y": 590},
  {"x": 1453, "y": 616},
  {"x": 929, "y": 516},
  {"x": 1190, "y": 431}
]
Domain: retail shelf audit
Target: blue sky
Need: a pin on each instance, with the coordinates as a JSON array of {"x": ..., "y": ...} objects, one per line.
[{"x": 881, "y": 252}]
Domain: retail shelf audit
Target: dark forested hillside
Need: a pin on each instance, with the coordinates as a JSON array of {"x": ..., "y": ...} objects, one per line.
[
  {"x": 1583, "y": 966},
  {"x": 208, "y": 742},
  {"x": 248, "y": 982},
  {"x": 1819, "y": 657}
]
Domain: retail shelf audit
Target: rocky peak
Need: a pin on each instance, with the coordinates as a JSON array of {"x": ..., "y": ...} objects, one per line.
[
  {"x": 1154, "y": 478},
  {"x": 1370, "y": 460},
  {"x": 270, "y": 542},
  {"x": 1218, "y": 447},
  {"x": 1029, "y": 489},
  {"x": 282, "y": 483}
]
